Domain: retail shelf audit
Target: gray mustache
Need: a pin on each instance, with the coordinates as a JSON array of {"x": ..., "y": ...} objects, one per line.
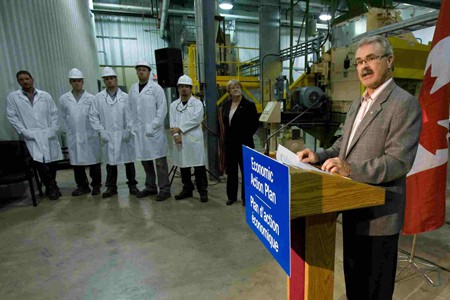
[{"x": 366, "y": 72}]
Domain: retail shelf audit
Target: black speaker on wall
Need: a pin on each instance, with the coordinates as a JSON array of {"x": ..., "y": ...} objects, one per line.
[{"x": 169, "y": 66}]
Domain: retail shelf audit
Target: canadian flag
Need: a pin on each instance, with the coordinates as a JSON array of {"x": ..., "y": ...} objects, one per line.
[{"x": 426, "y": 182}]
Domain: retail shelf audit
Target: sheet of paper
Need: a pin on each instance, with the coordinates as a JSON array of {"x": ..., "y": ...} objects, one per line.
[{"x": 287, "y": 157}]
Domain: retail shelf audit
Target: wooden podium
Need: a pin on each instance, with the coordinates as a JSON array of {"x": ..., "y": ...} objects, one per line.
[{"x": 316, "y": 198}]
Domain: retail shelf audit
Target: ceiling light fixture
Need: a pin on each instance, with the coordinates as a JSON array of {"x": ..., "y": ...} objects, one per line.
[
  {"x": 325, "y": 14},
  {"x": 226, "y": 4}
]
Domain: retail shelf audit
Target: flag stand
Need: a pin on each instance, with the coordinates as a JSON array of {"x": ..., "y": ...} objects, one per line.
[{"x": 417, "y": 265}]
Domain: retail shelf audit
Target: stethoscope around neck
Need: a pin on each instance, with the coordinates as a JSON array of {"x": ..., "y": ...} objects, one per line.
[{"x": 182, "y": 107}]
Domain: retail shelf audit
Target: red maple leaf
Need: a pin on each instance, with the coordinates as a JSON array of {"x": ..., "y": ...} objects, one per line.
[{"x": 433, "y": 136}]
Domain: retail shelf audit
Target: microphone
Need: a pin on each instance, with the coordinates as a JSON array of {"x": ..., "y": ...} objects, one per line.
[{"x": 320, "y": 99}]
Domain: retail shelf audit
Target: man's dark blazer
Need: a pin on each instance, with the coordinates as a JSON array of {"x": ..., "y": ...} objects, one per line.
[{"x": 381, "y": 153}]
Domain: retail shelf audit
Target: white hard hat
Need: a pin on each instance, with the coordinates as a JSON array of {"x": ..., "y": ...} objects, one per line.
[
  {"x": 142, "y": 63},
  {"x": 107, "y": 71},
  {"x": 185, "y": 80},
  {"x": 75, "y": 74}
]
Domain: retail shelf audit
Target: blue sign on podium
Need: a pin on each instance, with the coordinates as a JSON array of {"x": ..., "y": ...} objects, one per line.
[{"x": 268, "y": 201}]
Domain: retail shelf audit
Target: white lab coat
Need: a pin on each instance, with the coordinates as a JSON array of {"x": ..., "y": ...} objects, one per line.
[
  {"x": 191, "y": 152},
  {"x": 39, "y": 120},
  {"x": 149, "y": 112},
  {"x": 113, "y": 120},
  {"x": 82, "y": 140}
]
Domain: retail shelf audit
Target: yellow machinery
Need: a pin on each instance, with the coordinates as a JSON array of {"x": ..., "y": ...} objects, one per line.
[
  {"x": 332, "y": 77},
  {"x": 336, "y": 76},
  {"x": 234, "y": 66}
]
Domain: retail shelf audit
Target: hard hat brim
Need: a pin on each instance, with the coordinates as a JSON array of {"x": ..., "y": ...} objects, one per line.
[{"x": 137, "y": 66}]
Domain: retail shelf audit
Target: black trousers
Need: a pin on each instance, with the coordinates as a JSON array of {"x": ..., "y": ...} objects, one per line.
[
  {"x": 47, "y": 173},
  {"x": 95, "y": 172},
  {"x": 111, "y": 176},
  {"x": 370, "y": 264},
  {"x": 200, "y": 179},
  {"x": 234, "y": 160},
  {"x": 162, "y": 172}
]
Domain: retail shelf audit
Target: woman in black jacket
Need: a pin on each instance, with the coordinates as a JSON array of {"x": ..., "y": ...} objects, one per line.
[{"x": 240, "y": 122}]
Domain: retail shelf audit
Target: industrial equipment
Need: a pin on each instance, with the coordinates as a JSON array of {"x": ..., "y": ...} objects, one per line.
[
  {"x": 281, "y": 91},
  {"x": 318, "y": 101}
]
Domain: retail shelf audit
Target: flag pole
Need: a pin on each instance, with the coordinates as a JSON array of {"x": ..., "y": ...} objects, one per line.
[{"x": 416, "y": 265}]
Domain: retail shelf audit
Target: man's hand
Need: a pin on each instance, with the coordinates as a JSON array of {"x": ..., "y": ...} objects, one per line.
[
  {"x": 177, "y": 139},
  {"x": 27, "y": 135},
  {"x": 126, "y": 135},
  {"x": 104, "y": 136},
  {"x": 52, "y": 135},
  {"x": 337, "y": 165},
  {"x": 175, "y": 130},
  {"x": 307, "y": 156}
]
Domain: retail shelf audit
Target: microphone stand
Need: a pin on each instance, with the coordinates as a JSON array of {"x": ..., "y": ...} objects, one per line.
[{"x": 321, "y": 98}]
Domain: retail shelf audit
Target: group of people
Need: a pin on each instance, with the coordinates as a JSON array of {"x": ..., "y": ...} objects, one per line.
[
  {"x": 115, "y": 128},
  {"x": 118, "y": 128},
  {"x": 378, "y": 147}
]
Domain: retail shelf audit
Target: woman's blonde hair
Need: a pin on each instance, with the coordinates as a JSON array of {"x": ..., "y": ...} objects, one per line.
[{"x": 233, "y": 82}]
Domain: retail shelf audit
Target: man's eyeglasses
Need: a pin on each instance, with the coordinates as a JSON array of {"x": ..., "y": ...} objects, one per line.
[{"x": 369, "y": 59}]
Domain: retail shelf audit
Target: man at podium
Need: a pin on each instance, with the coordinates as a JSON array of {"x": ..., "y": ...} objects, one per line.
[{"x": 378, "y": 147}]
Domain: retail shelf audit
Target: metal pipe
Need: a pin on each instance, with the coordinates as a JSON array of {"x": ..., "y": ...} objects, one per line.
[
  {"x": 104, "y": 45},
  {"x": 164, "y": 14},
  {"x": 139, "y": 10},
  {"x": 152, "y": 6},
  {"x": 291, "y": 41},
  {"x": 198, "y": 4},
  {"x": 209, "y": 38},
  {"x": 307, "y": 32},
  {"x": 413, "y": 249},
  {"x": 122, "y": 8}
]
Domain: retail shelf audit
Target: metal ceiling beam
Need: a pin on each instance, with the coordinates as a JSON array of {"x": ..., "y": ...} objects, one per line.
[{"x": 255, "y": 20}]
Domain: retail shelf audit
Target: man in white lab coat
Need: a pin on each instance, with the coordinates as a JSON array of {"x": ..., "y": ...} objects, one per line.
[
  {"x": 34, "y": 116},
  {"x": 149, "y": 110},
  {"x": 111, "y": 117},
  {"x": 186, "y": 116},
  {"x": 82, "y": 140}
]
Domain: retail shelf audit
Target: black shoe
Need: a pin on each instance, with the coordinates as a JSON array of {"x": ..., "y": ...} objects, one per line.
[
  {"x": 81, "y": 190},
  {"x": 183, "y": 194},
  {"x": 53, "y": 193},
  {"x": 162, "y": 197},
  {"x": 204, "y": 197},
  {"x": 133, "y": 190},
  {"x": 47, "y": 193},
  {"x": 96, "y": 191},
  {"x": 109, "y": 193},
  {"x": 229, "y": 202},
  {"x": 145, "y": 193}
]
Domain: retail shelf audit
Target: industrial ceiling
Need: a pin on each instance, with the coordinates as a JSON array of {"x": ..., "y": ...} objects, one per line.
[{"x": 247, "y": 7}]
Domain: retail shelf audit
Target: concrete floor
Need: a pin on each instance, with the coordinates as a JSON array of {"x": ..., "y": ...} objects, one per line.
[{"x": 127, "y": 248}]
